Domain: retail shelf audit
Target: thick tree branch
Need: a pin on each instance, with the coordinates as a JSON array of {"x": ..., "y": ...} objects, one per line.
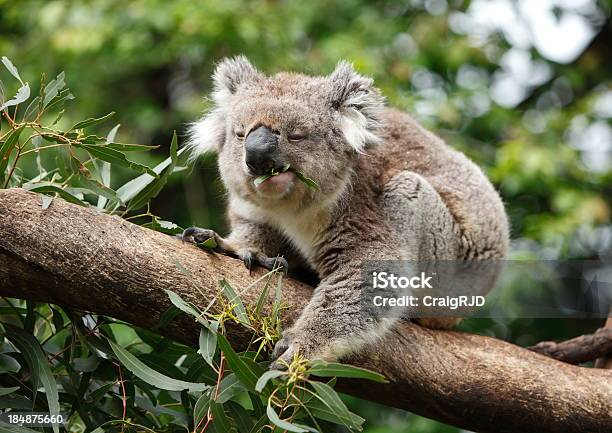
[{"x": 87, "y": 260}]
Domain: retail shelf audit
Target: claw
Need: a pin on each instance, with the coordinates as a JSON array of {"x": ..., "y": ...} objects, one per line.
[{"x": 248, "y": 258}]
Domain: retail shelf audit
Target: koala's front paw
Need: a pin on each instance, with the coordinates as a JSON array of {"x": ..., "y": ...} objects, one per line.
[
  {"x": 252, "y": 257},
  {"x": 310, "y": 346},
  {"x": 197, "y": 235}
]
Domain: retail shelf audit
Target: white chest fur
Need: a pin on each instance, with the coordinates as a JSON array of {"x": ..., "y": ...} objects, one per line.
[{"x": 302, "y": 228}]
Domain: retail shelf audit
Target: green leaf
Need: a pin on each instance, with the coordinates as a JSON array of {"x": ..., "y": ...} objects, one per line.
[
  {"x": 235, "y": 300},
  {"x": 261, "y": 179},
  {"x": 209, "y": 244},
  {"x": 220, "y": 421},
  {"x": 105, "y": 169},
  {"x": 244, "y": 372},
  {"x": 281, "y": 423},
  {"x": 241, "y": 416},
  {"x": 115, "y": 157},
  {"x": 308, "y": 181},
  {"x": 29, "y": 346},
  {"x": 92, "y": 121},
  {"x": 200, "y": 410},
  {"x": 7, "y": 391},
  {"x": 186, "y": 307},
  {"x": 333, "y": 408},
  {"x": 167, "y": 227},
  {"x": 6, "y": 148},
  {"x": 22, "y": 95},
  {"x": 263, "y": 297},
  {"x": 97, "y": 188},
  {"x": 130, "y": 147},
  {"x": 8, "y": 364},
  {"x": 143, "y": 189},
  {"x": 11, "y": 68},
  {"x": 12, "y": 428},
  {"x": 49, "y": 189},
  {"x": 150, "y": 376},
  {"x": 266, "y": 377},
  {"x": 208, "y": 343},
  {"x": 53, "y": 88},
  {"x": 229, "y": 388},
  {"x": 335, "y": 369}
]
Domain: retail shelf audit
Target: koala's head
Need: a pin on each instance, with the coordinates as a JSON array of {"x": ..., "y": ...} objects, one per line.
[{"x": 259, "y": 124}]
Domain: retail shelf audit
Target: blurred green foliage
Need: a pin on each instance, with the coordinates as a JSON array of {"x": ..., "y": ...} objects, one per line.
[{"x": 480, "y": 75}]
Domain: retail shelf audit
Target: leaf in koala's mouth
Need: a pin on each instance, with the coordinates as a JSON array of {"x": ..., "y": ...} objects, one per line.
[
  {"x": 259, "y": 180},
  {"x": 308, "y": 181}
]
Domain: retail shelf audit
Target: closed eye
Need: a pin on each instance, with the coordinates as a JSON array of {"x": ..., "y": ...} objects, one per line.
[{"x": 296, "y": 137}]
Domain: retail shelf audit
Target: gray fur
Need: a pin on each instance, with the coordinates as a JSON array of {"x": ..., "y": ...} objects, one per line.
[{"x": 389, "y": 190}]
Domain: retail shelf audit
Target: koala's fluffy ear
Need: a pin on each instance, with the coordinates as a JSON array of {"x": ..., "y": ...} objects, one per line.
[
  {"x": 208, "y": 133},
  {"x": 359, "y": 105}
]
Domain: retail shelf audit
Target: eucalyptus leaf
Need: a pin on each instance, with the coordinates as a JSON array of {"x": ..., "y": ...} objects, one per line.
[
  {"x": 6, "y": 148},
  {"x": 11, "y": 68},
  {"x": 235, "y": 300},
  {"x": 115, "y": 157},
  {"x": 7, "y": 391},
  {"x": 266, "y": 377},
  {"x": 208, "y": 342},
  {"x": 274, "y": 418},
  {"x": 150, "y": 376},
  {"x": 29, "y": 346},
  {"x": 53, "y": 88},
  {"x": 334, "y": 369},
  {"x": 50, "y": 189},
  {"x": 22, "y": 95},
  {"x": 244, "y": 372},
  {"x": 92, "y": 121}
]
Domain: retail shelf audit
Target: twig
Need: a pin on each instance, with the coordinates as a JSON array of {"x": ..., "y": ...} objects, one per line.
[{"x": 580, "y": 349}]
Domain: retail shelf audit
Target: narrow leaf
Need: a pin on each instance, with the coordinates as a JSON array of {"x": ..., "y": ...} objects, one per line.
[
  {"x": 7, "y": 147},
  {"x": 143, "y": 189},
  {"x": 7, "y": 391},
  {"x": 115, "y": 157},
  {"x": 186, "y": 307},
  {"x": 22, "y": 95},
  {"x": 281, "y": 423},
  {"x": 92, "y": 121},
  {"x": 208, "y": 343},
  {"x": 29, "y": 346},
  {"x": 11, "y": 68},
  {"x": 150, "y": 376},
  {"x": 235, "y": 300},
  {"x": 53, "y": 88},
  {"x": 48, "y": 188},
  {"x": 335, "y": 369},
  {"x": 220, "y": 422},
  {"x": 246, "y": 375},
  {"x": 266, "y": 377}
]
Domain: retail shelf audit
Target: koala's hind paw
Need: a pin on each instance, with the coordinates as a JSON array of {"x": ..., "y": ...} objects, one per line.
[{"x": 252, "y": 257}]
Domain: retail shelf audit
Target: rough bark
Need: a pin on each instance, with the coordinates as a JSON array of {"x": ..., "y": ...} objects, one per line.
[{"x": 90, "y": 261}]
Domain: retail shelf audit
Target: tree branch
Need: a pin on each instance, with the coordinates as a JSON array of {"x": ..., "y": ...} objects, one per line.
[
  {"x": 87, "y": 260},
  {"x": 580, "y": 349}
]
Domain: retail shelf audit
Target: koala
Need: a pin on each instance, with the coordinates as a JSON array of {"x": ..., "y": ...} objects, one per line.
[{"x": 388, "y": 189}]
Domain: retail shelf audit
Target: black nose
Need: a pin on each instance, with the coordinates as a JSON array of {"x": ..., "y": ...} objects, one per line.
[{"x": 261, "y": 150}]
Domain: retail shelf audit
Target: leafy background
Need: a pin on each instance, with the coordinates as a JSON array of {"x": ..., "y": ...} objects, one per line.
[{"x": 524, "y": 88}]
